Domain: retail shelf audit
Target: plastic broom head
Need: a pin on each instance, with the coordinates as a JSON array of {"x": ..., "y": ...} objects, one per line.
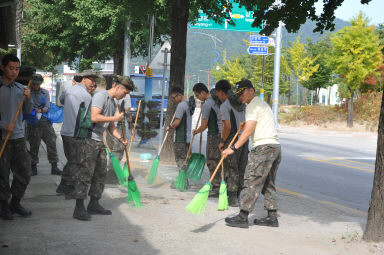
[
  {"x": 223, "y": 197},
  {"x": 133, "y": 197},
  {"x": 181, "y": 181},
  {"x": 125, "y": 175},
  {"x": 117, "y": 168},
  {"x": 197, "y": 205},
  {"x": 152, "y": 174}
]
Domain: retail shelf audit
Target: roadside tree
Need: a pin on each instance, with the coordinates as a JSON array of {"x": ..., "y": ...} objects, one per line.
[{"x": 356, "y": 55}]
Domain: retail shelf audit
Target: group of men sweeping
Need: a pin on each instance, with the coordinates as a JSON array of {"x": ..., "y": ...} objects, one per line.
[
  {"x": 226, "y": 114},
  {"x": 87, "y": 115}
]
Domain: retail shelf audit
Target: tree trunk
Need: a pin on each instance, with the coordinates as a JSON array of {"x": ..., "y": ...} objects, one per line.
[
  {"x": 305, "y": 96},
  {"x": 350, "y": 111},
  {"x": 289, "y": 98},
  {"x": 329, "y": 97},
  {"x": 179, "y": 21},
  {"x": 118, "y": 62},
  {"x": 374, "y": 230}
]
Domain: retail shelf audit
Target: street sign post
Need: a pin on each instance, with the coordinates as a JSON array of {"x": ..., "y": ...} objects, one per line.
[
  {"x": 257, "y": 39},
  {"x": 243, "y": 21},
  {"x": 258, "y": 50}
]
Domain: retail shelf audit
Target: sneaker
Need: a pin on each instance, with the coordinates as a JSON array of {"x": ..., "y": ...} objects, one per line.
[
  {"x": 267, "y": 221},
  {"x": 237, "y": 221}
]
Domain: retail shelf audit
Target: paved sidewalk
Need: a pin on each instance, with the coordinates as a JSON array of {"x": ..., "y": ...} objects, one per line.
[{"x": 162, "y": 226}]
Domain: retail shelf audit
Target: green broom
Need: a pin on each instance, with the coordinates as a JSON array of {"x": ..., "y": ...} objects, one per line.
[
  {"x": 181, "y": 180},
  {"x": 197, "y": 205},
  {"x": 133, "y": 196},
  {"x": 155, "y": 165},
  {"x": 115, "y": 164},
  {"x": 223, "y": 197}
]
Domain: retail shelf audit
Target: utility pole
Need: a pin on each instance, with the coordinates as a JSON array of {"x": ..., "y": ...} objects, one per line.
[
  {"x": 276, "y": 74},
  {"x": 127, "y": 50}
]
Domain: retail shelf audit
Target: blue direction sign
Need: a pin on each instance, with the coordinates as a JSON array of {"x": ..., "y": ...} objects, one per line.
[
  {"x": 257, "y": 39},
  {"x": 258, "y": 50},
  {"x": 242, "y": 18}
]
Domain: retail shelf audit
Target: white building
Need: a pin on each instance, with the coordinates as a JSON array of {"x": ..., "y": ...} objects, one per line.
[{"x": 332, "y": 93}]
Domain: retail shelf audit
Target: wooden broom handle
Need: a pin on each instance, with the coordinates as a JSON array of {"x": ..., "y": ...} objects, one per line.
[
  {"x": 223, "y": 157},
  {"x": 134, "y": 127},
  {"x": 14, "y": 120},
  {"x": 166, "y": 134},
  {"x": 105, "y": 142},
  {"x": 190, "y": 145},
  {"x": 222, "y": 165},
  {"x": 125, "y": 146}
]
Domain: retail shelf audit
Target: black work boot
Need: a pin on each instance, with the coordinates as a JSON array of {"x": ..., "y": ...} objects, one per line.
[
  {"x": 34, "y": 170},
  {"x": 95, "y": 208},
  {"x": 80, "y": 213},
  {"x": 55, "y": 170},
  {"x": 214, "y": 192},
  {"x": 239, "y": 221},
  {"x": 233, "y": 200},
  {"x": 62, "y": 188},
  {"x": 69, "y": 192},
  {"x": 269, "y": 221},
  {"x": 5, "y": 212},
  {"x": 16, "y": 207}
]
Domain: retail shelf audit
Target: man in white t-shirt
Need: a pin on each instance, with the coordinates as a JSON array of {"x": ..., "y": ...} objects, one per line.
[{"x": 263, "y": 161}]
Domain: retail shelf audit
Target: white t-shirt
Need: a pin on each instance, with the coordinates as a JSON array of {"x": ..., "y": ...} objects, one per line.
[{"x": 265, "y": 130}]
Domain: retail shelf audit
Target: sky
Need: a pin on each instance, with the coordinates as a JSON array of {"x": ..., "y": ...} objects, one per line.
[{"x": 350, "y": 8}]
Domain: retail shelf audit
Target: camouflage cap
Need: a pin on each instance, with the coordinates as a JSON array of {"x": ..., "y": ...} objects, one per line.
[
  {"x": 242, "y": 85},
  {"x": 125, "y": 81},
  {"x": 89, "y": 73},
  {"x": 37, "y": 78}
]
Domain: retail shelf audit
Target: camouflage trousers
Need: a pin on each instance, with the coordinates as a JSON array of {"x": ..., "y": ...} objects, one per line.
[
  {"x": 93, "y": 170},
  {"x": 181, "y": 150},
  {"x": 234, "y": 167},
  {"x": 213, "y": 157},
  {"x": 72, "y": 150},
  {"x": 16, "y": 158},
  {"x": 263, "y": 161},
  {"x": 42, "y": 130}
]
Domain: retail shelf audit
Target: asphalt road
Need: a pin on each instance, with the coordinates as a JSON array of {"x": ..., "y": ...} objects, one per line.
[
  {"x": 328, "y": 166},
  {"x": 332, "y": 167}
]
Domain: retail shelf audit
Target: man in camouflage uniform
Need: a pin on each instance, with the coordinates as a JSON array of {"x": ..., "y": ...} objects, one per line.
[
  {"x": 117, "y": 148},
  {"x": 75, "y": 99},
  {"x": 15, "y": 157},
  {"x": 94, "y": 167},
  {"x": 42, "y": 130},
  {"x": 232, "y": 114},
  {"x": 182, "y": 126},
  {"x": 210, "y": 119},
  {"x": 264, "y": 159}
]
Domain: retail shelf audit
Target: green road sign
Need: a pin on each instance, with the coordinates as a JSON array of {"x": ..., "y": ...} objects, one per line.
[{"x": 243, "y": 21}]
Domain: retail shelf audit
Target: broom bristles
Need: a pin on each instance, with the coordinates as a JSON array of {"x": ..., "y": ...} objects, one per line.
[
  {"x": 125, "y": 175},
  {"x": 223, "y": 197},
  {"x": 197, "y": 205},
  {"x": 117, "y": 168},
  {"x": 181, "y": 181},
  {"x": 152, "y": 174},
  {"x": 133, "y": 196}
]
